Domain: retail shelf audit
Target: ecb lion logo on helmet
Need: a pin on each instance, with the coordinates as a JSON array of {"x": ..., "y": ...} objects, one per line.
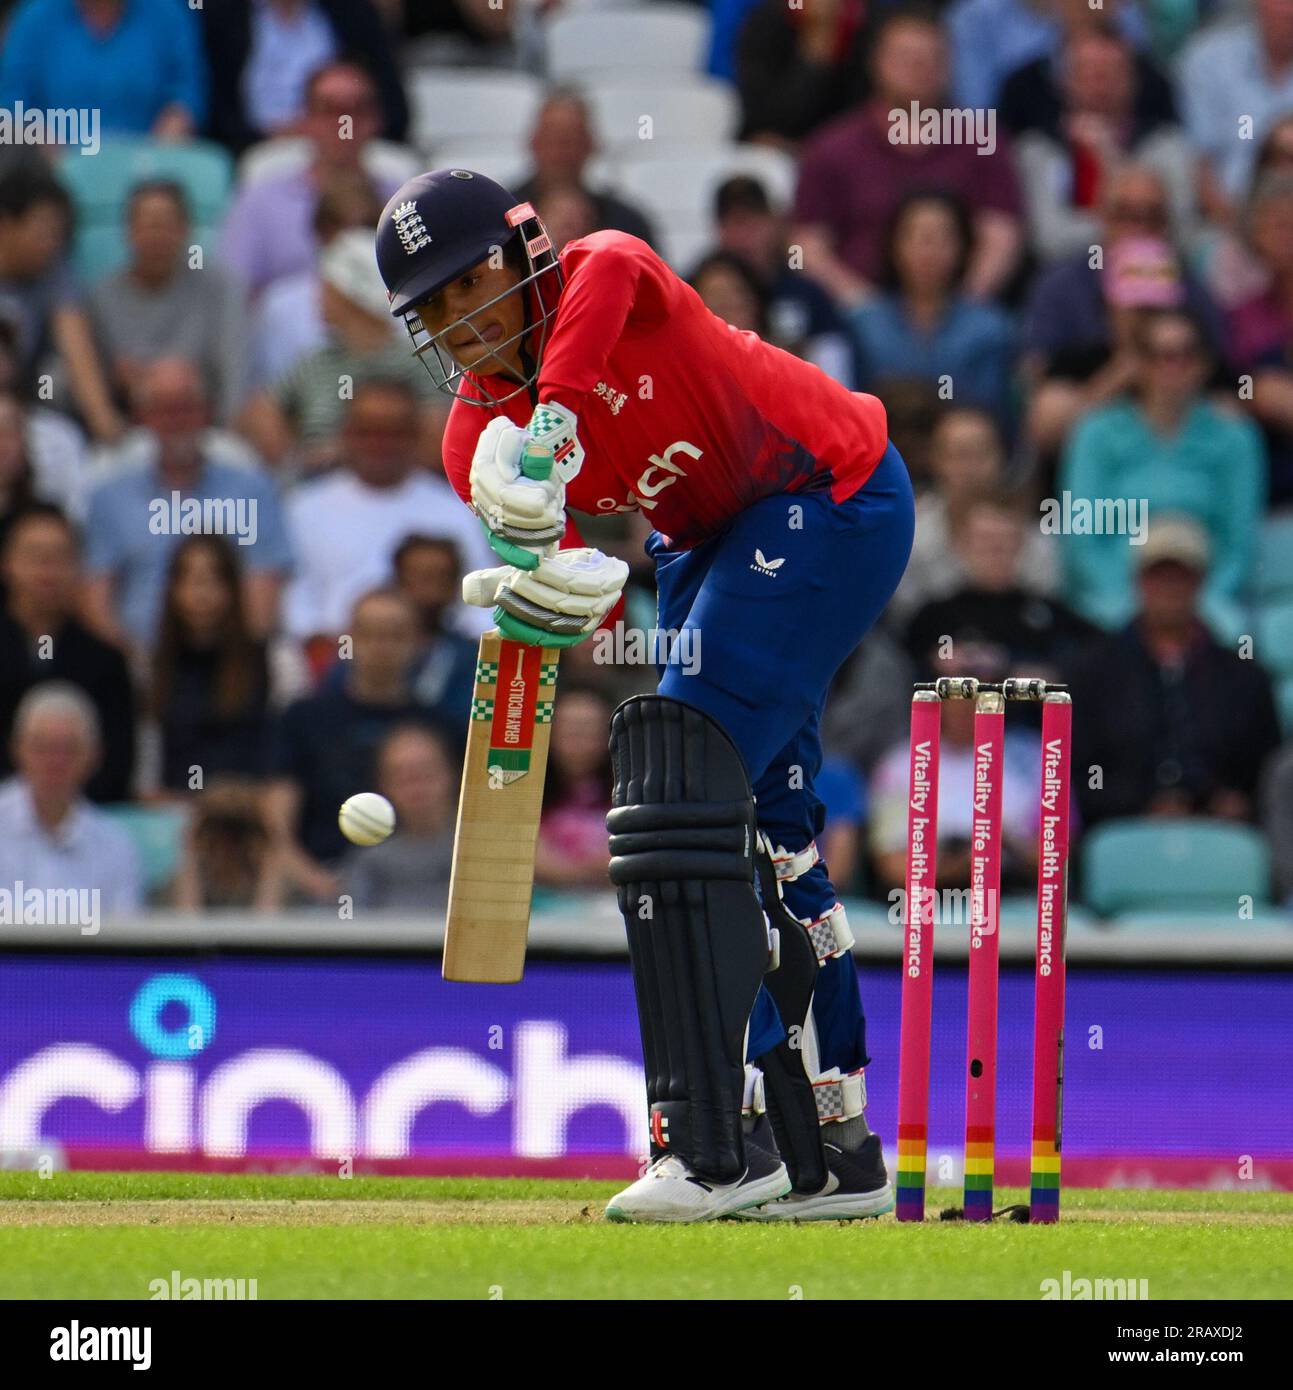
[{"x": 410, "y": 228}]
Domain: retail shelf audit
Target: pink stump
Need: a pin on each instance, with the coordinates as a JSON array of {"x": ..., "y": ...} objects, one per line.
[
  {"x": 985, "y": 942},
  {"x": 1052, "y": 917},
  {"x": 918, "y": 955}
]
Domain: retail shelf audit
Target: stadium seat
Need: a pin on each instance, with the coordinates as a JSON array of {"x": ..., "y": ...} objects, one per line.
[
  {"x": 699, "y": 111},
  {"x": 663, "y": 36},
  {"x": 1263, "y": 923},
  {"x": 505, "y": 164},
  {"x": 450, "y": 105},
  {"x": 1019, "y": 913},
  {"x": 1273, "y": 572},
  {"x": 158, "y": 836},
  {"x": 1162, "y": 865},
  {"x": 676, "y": 189},
  {"x": 383, "y": 159},
  {"x": 99, "y": 187},
  {"x": 1275, "y": 637}
]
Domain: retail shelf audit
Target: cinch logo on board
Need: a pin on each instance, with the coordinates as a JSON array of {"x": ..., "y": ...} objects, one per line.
[{"x": 181, "y": 1107}]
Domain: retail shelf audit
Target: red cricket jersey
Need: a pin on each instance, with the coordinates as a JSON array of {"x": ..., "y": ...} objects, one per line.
[{"x": 680, "y": 414}]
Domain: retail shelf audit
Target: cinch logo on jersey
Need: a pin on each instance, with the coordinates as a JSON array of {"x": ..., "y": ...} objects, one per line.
[
  {"x": 647, "y": 486},
  {"x": 765, "y": 566},
  {"x": 77, "y": 1343},
  {"x": 609, "y": 504},
  {"x": 410, "y": 228}
]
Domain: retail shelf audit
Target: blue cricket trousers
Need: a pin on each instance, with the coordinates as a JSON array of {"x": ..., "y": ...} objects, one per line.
[{"x": 772, "y": 608}]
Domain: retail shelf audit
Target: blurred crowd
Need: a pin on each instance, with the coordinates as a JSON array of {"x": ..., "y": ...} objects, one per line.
[{"x": 229, "y": 559}]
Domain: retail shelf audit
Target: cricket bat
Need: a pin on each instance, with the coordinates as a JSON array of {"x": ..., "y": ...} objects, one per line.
[{"x": 492, "y": 876}]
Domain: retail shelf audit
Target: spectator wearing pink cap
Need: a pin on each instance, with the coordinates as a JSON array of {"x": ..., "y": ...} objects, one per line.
[
  {"x": 1077, "y": 345},
  {"x": 1141, "y": 272}
]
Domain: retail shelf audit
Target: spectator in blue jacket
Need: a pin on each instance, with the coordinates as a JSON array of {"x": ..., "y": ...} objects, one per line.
[
  {"x": 173, "y": 483},
  {"x": 922, "y": 325},
  {"x": 991, "y": 39}
]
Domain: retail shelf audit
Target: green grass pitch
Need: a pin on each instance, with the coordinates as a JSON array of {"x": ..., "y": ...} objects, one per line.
[{"x": 81, "y": 1235}]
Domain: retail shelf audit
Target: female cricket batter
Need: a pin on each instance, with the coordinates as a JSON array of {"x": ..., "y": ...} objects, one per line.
[{"x": 782, "y": 522}]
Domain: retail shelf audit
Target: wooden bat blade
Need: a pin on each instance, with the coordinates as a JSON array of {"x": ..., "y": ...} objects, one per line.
[{"x": 492, "y": 878}]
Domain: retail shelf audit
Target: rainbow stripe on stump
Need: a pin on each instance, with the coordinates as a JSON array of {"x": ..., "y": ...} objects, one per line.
[
  {"x": 910, "y": 1189},
  {"x": 1044, "y": 1192},
  {"x": 979, "y": 1153}
]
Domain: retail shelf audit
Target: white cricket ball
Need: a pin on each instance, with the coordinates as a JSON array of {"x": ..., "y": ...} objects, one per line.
[{"x": 366, "y": 818}]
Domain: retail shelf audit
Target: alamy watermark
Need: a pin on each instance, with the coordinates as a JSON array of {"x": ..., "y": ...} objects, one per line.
[
  {"x": 978, "y": 908},
  {"x": 21, "y": 906},
  {"x": 944, "y": 125},
  {"x": 59, "y": 125},
  {"x": 76, "y": 1341},
  {"x": 1082, "y": 1289},
  {"x": 178, "y": 515},
  {"x": 190, "y": 1288},
  {"x": 1067, "y": 515},
  {"x": 648, "y": 646}
]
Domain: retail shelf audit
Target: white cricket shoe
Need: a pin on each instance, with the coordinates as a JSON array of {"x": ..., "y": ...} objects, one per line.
[{"x": 670, "y": 1191}]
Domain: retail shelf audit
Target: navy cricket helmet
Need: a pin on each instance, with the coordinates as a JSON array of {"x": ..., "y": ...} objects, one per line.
[{"x": 435, "y": 228}]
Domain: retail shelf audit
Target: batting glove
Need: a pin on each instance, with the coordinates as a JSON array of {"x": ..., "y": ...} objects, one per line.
[
  {"x": 559, "y": 603},
  {"x": 517, "y": 493}
]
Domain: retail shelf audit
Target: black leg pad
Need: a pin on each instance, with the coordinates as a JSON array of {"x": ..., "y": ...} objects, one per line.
[{"x": 682, "y": 843}]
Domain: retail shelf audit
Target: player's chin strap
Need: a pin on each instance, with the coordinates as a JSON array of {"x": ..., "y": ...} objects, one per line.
[{"x": 788, "y": 1081}]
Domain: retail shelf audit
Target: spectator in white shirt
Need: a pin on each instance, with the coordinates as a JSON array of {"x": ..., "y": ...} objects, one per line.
[
  {"x": 1235, "y": 81},
  {"x": 51, "y": 838},
  {"x": 345, "y": 527},
  {"x": 268, "y": 231}
]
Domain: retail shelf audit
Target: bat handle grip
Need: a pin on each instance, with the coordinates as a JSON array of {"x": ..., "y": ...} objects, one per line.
[{"x": 537, "y": 461}]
